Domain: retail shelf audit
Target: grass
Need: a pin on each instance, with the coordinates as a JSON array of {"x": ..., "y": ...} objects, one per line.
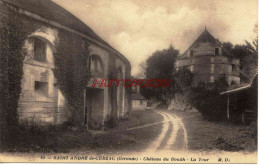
[
  {"x": 206, "y": 135},
  {"x": 119, "y": 140},
  {"x": 203, "y": 135},
  {"x": 64, "y": 139}
]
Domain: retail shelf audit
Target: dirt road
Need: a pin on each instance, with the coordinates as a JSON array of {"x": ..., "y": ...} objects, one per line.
[{"x": 173, "y": 135}]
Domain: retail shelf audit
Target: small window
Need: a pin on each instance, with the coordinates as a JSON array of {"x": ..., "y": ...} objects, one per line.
[
  {"x": 191, "y": 53},
  {"x": 39, "y": 50},
  {"x": 141, "y": 102},
  {"x": 216, "y": 51},
  {"x": 41, "y": 88}
]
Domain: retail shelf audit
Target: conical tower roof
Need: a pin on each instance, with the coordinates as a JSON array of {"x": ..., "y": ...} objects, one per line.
[{"x": 205, "y": 37}]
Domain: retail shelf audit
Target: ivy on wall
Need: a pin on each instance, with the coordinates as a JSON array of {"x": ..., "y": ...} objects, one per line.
[
  {"x": 12, "y": 35},
  {"x": 71, "y": 70},
  {"x": 72, "y": 73},
  {"x": 111, "y": 120}
]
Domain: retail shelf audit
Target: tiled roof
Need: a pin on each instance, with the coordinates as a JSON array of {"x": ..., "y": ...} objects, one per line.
[
  {"x": 242, "y": 87},
  {"x": 52, "y": 11},
  {"x": 204, "y": 37},
  {"x": 236, "y": 90}
]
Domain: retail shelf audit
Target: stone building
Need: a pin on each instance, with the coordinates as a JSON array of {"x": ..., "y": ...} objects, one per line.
[
  {"x": 139, "y": 102},
  {"x": 207, "y": 59},
  {"x": 41, "y": 102}
]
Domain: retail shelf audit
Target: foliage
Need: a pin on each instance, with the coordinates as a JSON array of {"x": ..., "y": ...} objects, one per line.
[
  {"x": 247, "y": 54},
  {"x": 142, "y": 67},
  {"x": 208, "y": 100},
  {"x": 160, "y": 66},
  {"x": 12, "y": 35},
  {"x": 250, "y": 63},
  {"x": 181, "y": 90},
  {"x": 237, "y": 51},
  {"x": 111, "y": 120},
  {"x": 72, "y": 73},
  {"x": 182, "y": 80},
  {"x": 252, "y": 96},
  {"x": 253, "y": 46}
]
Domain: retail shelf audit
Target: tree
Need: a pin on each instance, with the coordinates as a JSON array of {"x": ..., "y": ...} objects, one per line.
[
  {"x": 237, "y": 51},
  {"x": 142, "y": 67},
  {"x": 247, "y": 54},
  {"x": 228, "y": 46},
  {"x": 160, "y": 66},
  {"x": 250, "y": 63},
  {"x": 182, "y": 80},
  {"x": 181, "y": 91},
  {"x": 253, "y": 46}
]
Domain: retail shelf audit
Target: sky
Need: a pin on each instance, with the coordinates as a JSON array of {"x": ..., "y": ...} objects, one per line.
[{"x": 137, "y": 28}]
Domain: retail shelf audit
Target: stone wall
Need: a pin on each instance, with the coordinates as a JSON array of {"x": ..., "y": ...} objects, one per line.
[
  {"x": 201, "y": 49},
  {"x": 137, "y": 105},
  {"x": 41, "y": 102},
  {"x": 207, "y": 66},
  {"x": 108, "y": 102}
]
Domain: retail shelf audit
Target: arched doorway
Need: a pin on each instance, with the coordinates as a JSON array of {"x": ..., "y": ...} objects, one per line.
[
  {"x": 94, "y": 97},
  {"x": 96, "y": 66}
]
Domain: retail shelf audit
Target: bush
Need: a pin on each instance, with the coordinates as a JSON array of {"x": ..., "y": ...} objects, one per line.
[
  {"x": 208, "y": 101},
  {"x": 209, "y": 104},
  {"x": 226, "y": 145},
  {"x": 28, "y": 137},
  {"x": 181, "y": 90}
]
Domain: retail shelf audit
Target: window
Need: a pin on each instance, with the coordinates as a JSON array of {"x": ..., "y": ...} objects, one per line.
[
  {"x": 216, "y": 51},
  {"x": 96, "y": 66},
  {"x": 41, "y": 88},
  {"x": 141, "y": 102},
  {"x": 191, "y": 53},
  {"x": 39, "y": 50}
]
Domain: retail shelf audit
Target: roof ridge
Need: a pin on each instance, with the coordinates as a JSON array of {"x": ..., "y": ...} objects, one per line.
[
  {"x": 52, "y": 11},
  {"x": 204, "y": 33}
]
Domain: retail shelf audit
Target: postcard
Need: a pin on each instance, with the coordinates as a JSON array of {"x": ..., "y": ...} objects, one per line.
[{"x": 129, "y": 81}]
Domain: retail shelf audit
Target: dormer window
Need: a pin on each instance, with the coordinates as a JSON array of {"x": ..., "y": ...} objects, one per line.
[
  {"x": 216, "y": 51},
  {"x": 39, "y": 50}
]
